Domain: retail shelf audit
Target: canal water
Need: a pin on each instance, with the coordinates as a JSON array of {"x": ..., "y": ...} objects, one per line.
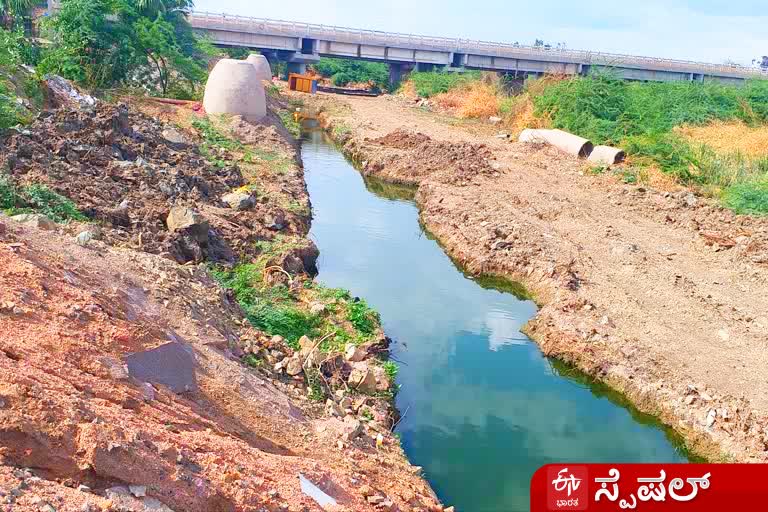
[{"x": 483, "y": 409}]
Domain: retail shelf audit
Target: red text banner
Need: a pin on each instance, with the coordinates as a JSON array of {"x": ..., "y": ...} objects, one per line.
[{"x": 650, "y": 487}]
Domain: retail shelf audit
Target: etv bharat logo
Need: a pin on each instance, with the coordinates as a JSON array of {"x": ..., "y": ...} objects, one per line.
[{"x": 567, "y": 488}]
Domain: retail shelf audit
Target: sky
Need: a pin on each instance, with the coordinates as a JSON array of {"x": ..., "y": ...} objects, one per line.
[{"x": 704, "y": 30}]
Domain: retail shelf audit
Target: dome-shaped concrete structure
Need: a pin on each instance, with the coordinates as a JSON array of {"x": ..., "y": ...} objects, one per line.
[
  {"x": 234, "y": 87},
  {"x": 261, "y": 64}
]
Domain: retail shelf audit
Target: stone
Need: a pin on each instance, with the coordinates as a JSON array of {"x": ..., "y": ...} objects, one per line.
[
  {"x": 690, "y": 200},
  {"x": 239, "y": 200},
  {"x": 234, "y": 87},
  {"x": 277, "y": 340},
  {"x": 47, "y": 508},
  {"x": 138, "y": 490},
  {"x": 84, "y": 238},
  {"x": 148, "y": 392},
  {"x": 35, "y": 219},
  {"x": 382, "y": 379},
  {"x": 351, "y": 429},
  {"x": 362, "y": 378},
  {"x": 354, "y": 353},
  {"x": 186, "y": 219},
  {"x": 174, "y": 138},
  {"x": 2, "y": 229},
  {"x": 294, "y": 366},
  {"x": 317, "y": 308},
  {"x": 171, "y": 365},
  {"x": 376, "y": 499},
  {"x": 711, "y": 417},
  {"x": 449, "y": 509},
  {"x": 332, "y": 409},
  {"x": 494, "y": 120},
  {"x": 83, "y": 488}
]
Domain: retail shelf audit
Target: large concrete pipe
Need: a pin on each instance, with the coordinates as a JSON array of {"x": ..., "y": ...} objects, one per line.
[
  {"x": 606, "y": 155},
  {"x": 261, "y": 64},
  {"x": 234, "y": 88},
  {"x": 564, "y": 141}
]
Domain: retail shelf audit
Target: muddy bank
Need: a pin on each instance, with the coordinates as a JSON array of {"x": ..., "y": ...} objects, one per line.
[
  {"x": 659, "y": 295},
  {"x": 80, "y": 429}
]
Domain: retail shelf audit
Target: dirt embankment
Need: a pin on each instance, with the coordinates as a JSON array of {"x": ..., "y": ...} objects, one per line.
[
  {"x": 80, "y": 428},
  {"x": 662, "y": 295}
]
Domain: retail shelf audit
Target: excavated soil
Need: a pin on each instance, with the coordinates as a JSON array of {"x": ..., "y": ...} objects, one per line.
[
  {"x": 662, "y": 295},
  {"x": 77, "y": 431}
]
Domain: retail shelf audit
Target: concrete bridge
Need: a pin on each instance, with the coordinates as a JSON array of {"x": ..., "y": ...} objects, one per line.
[{"x": 303, "y": 43}]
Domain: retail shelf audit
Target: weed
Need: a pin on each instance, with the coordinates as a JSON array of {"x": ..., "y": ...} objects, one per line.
[
  {"x": 366, "y": 414},
  {"x": 750, "y": 198},
  {"x": 362, "y": 317},
  {"x": 55, "y": 206},
  {"x": 428, "y": 84},
  {"x": 9, "y": 195},
  {"x": 316, "y": 390},
  {"x": 253, "y": 361},
  {"x": 391, "y": 368},
  {"x": 343, "y": 72},
  {"x": 290, "y": 122}
]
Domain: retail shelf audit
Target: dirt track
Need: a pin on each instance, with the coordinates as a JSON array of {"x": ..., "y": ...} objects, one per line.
[{"x": 663, "y": 295}]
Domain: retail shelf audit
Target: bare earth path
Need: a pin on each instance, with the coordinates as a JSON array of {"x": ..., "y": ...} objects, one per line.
[{"x": 663, "y": 295}]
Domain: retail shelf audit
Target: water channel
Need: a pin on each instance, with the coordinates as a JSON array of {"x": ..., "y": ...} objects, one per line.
[{"x": 483, "y": 408}]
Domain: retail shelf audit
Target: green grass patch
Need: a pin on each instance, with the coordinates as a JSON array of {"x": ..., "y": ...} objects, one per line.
[
  {"x": 431, "y": 83},
  {"x": 37, "y": 199},
  {"x": 748, "y": 198},
  {"x": 391, "y": 368},
  {"x": 289, "y": 121},
  {"x": 362, "y": 317}
]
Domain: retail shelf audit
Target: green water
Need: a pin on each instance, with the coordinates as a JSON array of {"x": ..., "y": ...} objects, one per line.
[{"x": 483, "y": 408}]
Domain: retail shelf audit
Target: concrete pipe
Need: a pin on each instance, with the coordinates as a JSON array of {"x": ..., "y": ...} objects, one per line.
[
  {"x": 261, "y": 64},
  {"x": 606, "y": 155},
  {"x": 234, "y": 88},
  {"x": 564, "y": 141}
]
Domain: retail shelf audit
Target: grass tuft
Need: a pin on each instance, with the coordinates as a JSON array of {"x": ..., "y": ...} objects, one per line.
[{"x": 747, "y": 198}]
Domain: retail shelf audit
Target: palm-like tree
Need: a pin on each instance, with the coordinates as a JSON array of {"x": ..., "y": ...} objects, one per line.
[
  {"x": 9, "y": 9},
  {"x": 165, "y": 6}
]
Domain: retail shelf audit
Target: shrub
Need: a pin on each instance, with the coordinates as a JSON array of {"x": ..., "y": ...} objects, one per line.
[
  {"x": 55, "y": 206},
  {"x": 431, "y": 83},
  {"x": 9, "y": 195},
  {"x": 751, "y": 198},
  {"x": 344, "y": 71},
  {"x": 362, "y": 317}
]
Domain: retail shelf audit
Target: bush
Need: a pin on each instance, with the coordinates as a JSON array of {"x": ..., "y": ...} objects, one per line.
[
  {"x": 9, "y": 195},
  {"x": 431, "y": 83},
  {"x": 344, "y": 71},
  {"x": 362, "y": 317},
  {"x": 55, "y": 206},
  {"x": 749, "y": 198}
]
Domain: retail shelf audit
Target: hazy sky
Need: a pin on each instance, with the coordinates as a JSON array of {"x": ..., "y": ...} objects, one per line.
[{"x": 707, "y": 30}]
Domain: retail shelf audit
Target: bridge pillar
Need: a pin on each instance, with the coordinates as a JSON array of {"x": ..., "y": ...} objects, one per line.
[
  {"x": 395, "y": 74},
  {"x": 295, "y": 67}
]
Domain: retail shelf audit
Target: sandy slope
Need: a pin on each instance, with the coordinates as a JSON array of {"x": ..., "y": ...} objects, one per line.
[{"x": 663, "y": 295}]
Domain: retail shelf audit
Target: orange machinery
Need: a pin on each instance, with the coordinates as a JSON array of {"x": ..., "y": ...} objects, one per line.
[{"x": 302, "y": 83}]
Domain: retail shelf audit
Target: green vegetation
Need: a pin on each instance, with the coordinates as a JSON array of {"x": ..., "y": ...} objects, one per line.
[
  {"x": 108, "y": 43},
  {"x": 344, "y": 71},
  {"x": 15, "y": 50},
  {"x": 431, "y": 83},
  {"x": 641, "y": 117},
  {"x": 747, "y": 198},
  {"x": 290, "y": 122},
  {"x": 37, "y": 199},
  {"x": 362, "y": 317},
  {"x": 391, "y": 368}
]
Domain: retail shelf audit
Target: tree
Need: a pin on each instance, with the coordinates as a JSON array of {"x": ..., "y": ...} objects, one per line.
[
  {"x": 157, "y": 39},
  {"x": 10, "y": 9}
]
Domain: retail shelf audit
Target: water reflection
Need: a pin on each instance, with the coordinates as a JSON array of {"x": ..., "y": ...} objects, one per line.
[{"x": 484, "y": 408}]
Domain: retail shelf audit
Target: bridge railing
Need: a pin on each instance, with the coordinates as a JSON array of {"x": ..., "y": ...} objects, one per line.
[{"x": 228, "y": 22}]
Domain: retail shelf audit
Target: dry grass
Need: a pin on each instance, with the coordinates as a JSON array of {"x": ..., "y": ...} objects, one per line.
[
  {"x": 729, "y": 136},
  {"x": 475, "y": 100}
]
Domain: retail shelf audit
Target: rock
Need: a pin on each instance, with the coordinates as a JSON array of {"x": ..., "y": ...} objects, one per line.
[
  {"x": 317, "y": 308},
  {"x": 83, "y": 488},
  {"x": 277, "y": 340},
  {"x": 138, "y": 490},
  {"x": 362, "y": 378},
  {"x": 239, "y": 200},
  {"x": 306, "y": 344},
  {"x": 332, "y": 409},
  {"x": 174, "y": 138},
  {"x": 376, "y": 499},
  {"x": 294, "y": 366},
  {"x": 449, "y": 509},
  {"x": 366, "y": 490},
  {"x": 711, "y": 417},
  {"x": 2, "y": 229},
  {"x": 35, "y": 219},
  {"x": 382, "y": 379},
  {"x": 355, "y": 354},
  {"x": 494, "y": 120},
  {"x": 352, "y": 428},
  {"x": 690, "y": 200},
  {"x": 84, "y": 238},
  {"x": 61, "y": 92},
  {"x": 346, "y": 404},
  {"x": 278, "y": 222},
  {"x": 47, "y": 508},
  {"x": 147, "y": 392},
  {"x": 186, "y": 219}
]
